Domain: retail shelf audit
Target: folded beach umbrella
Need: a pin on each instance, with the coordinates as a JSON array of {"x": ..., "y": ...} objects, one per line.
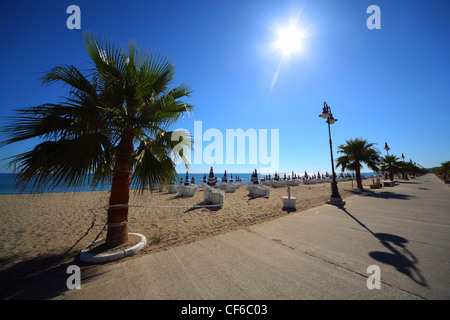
[
  {"x": 211, "y": 179},
  {"x": 186, "y": 181}
]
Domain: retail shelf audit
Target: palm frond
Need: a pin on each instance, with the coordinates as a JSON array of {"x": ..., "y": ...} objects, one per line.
[
  {"x": 123, "y": 92},
  {"x": 65, "y": 162},
  {"x": 69, "y": 75},
  {"x": 357, "y": 152}
]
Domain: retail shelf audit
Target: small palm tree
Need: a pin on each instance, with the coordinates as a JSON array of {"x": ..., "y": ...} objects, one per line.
[
  {"x": 404, "y": 168},
  {"x": 112, "y": 127},
  {"x": 443, "y": 170},
  {"x": 356, "y": 153},
  {"x": 390, "y": 164}
]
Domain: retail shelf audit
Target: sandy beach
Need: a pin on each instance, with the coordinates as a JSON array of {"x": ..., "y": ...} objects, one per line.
[
  {"x": 65, "y": 223},
  {"x": 39, "y": 231}
]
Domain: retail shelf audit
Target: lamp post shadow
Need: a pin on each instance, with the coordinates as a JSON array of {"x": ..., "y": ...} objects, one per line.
[{"x": 399, "y": 256}]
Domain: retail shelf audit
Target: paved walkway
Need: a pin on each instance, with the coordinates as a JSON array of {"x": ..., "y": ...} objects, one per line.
[{"x": 322, "y": 253}]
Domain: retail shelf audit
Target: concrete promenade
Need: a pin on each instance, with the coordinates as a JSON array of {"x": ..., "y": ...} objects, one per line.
[{"x": 322, "y": 253}]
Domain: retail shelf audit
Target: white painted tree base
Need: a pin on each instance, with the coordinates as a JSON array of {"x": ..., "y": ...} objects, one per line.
[{"x": 86, "y": 256}]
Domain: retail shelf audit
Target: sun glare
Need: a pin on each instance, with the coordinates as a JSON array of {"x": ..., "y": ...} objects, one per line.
[{"x": 290, "y": 40}]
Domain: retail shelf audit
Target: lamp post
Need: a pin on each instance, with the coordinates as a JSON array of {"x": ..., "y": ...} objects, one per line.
[
  {"x": 386, "y": 148},
  {"x": 405, "y": 175},
  {"x": 335, "y": 198}
]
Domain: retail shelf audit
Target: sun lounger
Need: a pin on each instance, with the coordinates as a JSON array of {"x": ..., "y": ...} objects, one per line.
[
  {"x": 279, "y": 184},
  {"x": 258, "y": 191},
  {"x": 172, "y": 188},
  {"x": 227, "y": 187},
  {"x": 214, "y": 196},
  {"x": 187, "y": 191}
]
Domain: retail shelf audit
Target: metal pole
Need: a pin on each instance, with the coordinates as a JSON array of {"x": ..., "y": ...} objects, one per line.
[
  {"x": 335, "y": 198},
  {"x": 334, "y": 188}
]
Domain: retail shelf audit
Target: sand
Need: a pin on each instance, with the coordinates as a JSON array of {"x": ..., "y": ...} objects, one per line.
[{"x": 40, "y": 231}]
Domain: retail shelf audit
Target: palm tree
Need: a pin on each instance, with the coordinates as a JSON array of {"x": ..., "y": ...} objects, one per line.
[
  {"x": 111, "y": 127},
  {"x": 390, "y": 163},
  {"x": 356, "y": 153},
  {"x": 404, "y": 168},
  {"x": 443, "y": 170}
]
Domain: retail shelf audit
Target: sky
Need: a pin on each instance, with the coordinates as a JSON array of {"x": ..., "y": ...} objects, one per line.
[{"x": 383, "y": 85}]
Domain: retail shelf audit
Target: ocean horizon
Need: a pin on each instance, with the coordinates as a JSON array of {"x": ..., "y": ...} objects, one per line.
[{"x": 7, "y": 185}]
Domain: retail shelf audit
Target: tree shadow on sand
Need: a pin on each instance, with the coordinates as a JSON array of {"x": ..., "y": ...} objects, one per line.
[
  {"x": 399, "y": 256},
  {"x": 204, "y": 205}
]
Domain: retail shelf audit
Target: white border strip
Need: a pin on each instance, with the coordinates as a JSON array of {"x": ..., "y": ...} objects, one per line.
[{"x": 86, "y": 256}]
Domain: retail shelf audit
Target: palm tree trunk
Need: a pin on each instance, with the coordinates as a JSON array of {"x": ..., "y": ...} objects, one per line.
[
  {"x": 358, "y": 179},
  {"x": 117, "y": 233}
]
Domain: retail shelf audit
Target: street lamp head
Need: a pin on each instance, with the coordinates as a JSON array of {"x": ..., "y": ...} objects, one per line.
[
  {"x": 325, "y": 113},
  {"x": 331, "y": 120}
]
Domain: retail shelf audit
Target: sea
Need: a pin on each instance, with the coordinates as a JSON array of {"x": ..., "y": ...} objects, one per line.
[{"x": 7, "y": 183}]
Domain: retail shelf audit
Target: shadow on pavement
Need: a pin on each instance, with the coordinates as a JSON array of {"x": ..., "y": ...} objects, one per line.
[
  {"x": 408, "y": 182},
  {"x": 398, "y": 256},
  {"x": 39, "y": 278},
  {"x": 382, "y": 194}
]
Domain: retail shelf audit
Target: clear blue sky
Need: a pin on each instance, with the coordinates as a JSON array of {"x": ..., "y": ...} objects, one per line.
[{"x": 388, "y": 85}]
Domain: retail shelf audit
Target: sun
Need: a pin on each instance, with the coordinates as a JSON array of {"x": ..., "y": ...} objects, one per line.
[{"x": 290, "y": 40}]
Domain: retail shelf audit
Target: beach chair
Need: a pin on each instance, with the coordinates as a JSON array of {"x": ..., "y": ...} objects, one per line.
[
  {"x": 214, "y": 196},
  {"x": 187, "y": 191},
  {"x": 258, "y": 191},
  {"x": 227, "y": 187},
  {"x": 172, "y": 188}
]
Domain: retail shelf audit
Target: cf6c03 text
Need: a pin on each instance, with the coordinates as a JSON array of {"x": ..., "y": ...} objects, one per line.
[{"x": 246, "y": 309}]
